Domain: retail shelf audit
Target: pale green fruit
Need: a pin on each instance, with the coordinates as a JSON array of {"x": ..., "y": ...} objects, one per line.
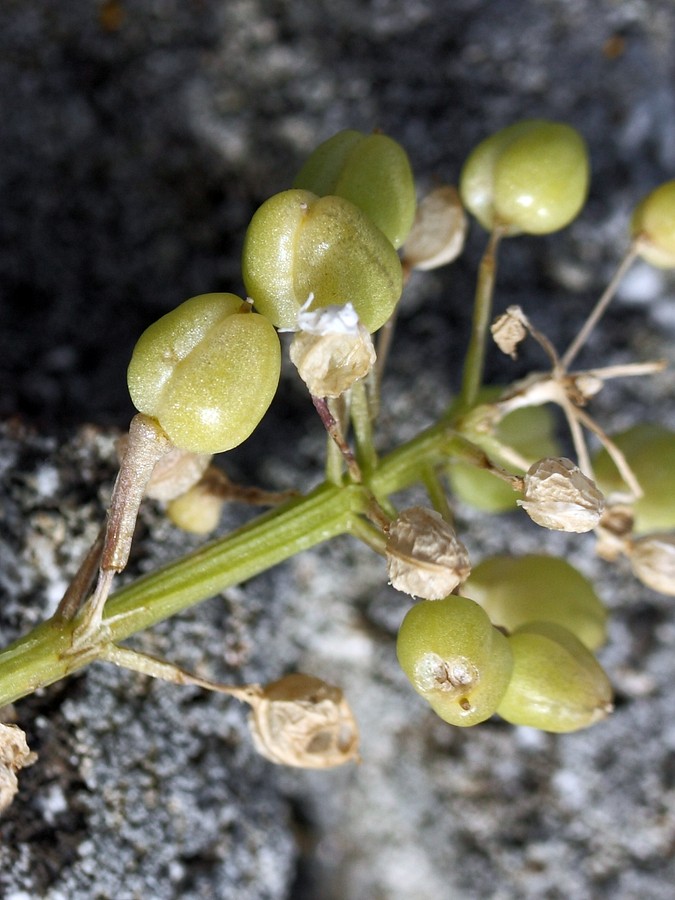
[
  {"x": 197, "y": 510},
  {"x": 207, "y": 371},
  {"x": 515, "y": 590},
  {"x": 455, "y": 659},
  {"x": 370, "y": 170},
  {"x": 650, "y": 452},
  {"x": 299, "y": 245},
  {"x": 557, "y": 684},
  {"x": 653, "y": 226},
  {"x": 531, "y": 177},
  {"x": 529, "y": 431}
]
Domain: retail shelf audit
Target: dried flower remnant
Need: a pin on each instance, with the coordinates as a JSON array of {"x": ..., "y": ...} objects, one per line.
[
  {"x": 331, "y": 349},
  {"x": 425, "y": 558},
  {"x": 557, "y": 495},
  {"x": 652, "y": 558},
  {"x": 439, "y": 230},
  {"x": 456, "y": 676},
  {"x": 14, "y": 755},
  {"x": 301, "y": 721},
  {"x": 509, "y": 330},
  {"x": 175, "y": 473}
]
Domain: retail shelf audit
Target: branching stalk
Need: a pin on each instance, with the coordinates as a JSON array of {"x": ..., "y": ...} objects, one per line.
[{"x": 45, "y": 654}]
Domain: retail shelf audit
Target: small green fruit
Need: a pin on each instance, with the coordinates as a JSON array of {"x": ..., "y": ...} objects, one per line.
[
  {"x": 455, "y": 659},
  {"x": 531, "y": 177},
  {"x": 299, "y": 245},
  {"x": 370, "y": 170},
  {"x": 557, "y": 684},
  {"x": 207, "y": 371},
  {"x": 517, "y": 590},
  {"x": 653, "y": 226},
  {"x": 650, "y": 452}
]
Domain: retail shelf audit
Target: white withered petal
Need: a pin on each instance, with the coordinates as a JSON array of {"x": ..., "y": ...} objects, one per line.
[
  {"x": 425, "y": 558},
  {"x": 557, "y": 495},
  {"x": 331, "y": 350},
  {"x": 652, "y": 558}
]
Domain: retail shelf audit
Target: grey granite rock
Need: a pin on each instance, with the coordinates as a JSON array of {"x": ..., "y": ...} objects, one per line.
[{"x": 136, "y": 141}]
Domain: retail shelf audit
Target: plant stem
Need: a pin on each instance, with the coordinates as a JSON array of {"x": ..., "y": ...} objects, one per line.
[
  {"x": 472, "y": 377},
  {"x": 45, "y": 654},
  {"x": 363, "y": 429},
  {"x": 599, "y": 308}
]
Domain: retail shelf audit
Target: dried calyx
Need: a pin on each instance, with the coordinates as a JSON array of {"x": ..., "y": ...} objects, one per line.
[
  {"x": 302, "y": 721},
  {"x": 425, "y": 558},
  {"x": 14, "y": 755},
  {"x": 652, "y": 558},
  {"x": 331, "y": 349},
  {"x": 557, "y": 495},
  {"x": 439, "y": 230}
]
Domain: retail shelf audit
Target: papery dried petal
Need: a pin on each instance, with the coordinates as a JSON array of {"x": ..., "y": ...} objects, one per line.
[
  {"x": 302, "y": 721},
  {"x": 14, "y": 755},
  {"x": 425, "y": 558},
  {"x": 175, "y": 473},
  {"x": 439, "y": 230},
  {"x": 652, "y": 558},
  {"x": 508, "y": 330},
  {"x": 332, "y": 351},
  {"x": 557, "y": 495}
]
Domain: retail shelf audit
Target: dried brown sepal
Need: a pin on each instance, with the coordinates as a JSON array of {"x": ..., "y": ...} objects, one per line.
[
  {"x": 509, "y": 330},
  {"x": 301, "y": 721},
  {"x": 14, "y": 755},
  {"x": 652, "y": 558},
  {"x": 425, "y": 558},
  {"x": 439, "y": 230},
  {"x": 557, "y": 495},
  {"x": 331, "y": 350}
]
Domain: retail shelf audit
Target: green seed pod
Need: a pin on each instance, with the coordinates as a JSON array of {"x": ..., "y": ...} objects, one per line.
[
  {"x": 299, "y": 245},
  {"x": 653, "y": 226},
  {"x": 370, "y": 170},
  {"x": 207, "y": 371},
  {"x": 529, "y": 431},
  {"x": 516, "y": 590},
  {"x": 197, "y": 511},
  {"x": 455, "y": 659},
  {"x": 557, "y": 684},
  {"x": 650, "y": 452},
  {"x": 531, "y": 177}
]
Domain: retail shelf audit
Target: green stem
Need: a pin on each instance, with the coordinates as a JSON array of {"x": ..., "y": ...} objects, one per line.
[
  {"x": 335, "y": 464},
  {"x": 472, "y": 377},
  {"x": 363, "y": 429},
  {"x": 44, "y": 655},
  {"x": 437, "y": 495}
]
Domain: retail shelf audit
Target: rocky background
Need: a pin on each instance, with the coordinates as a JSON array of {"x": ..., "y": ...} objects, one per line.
[{"x": 137, "y": 139}]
